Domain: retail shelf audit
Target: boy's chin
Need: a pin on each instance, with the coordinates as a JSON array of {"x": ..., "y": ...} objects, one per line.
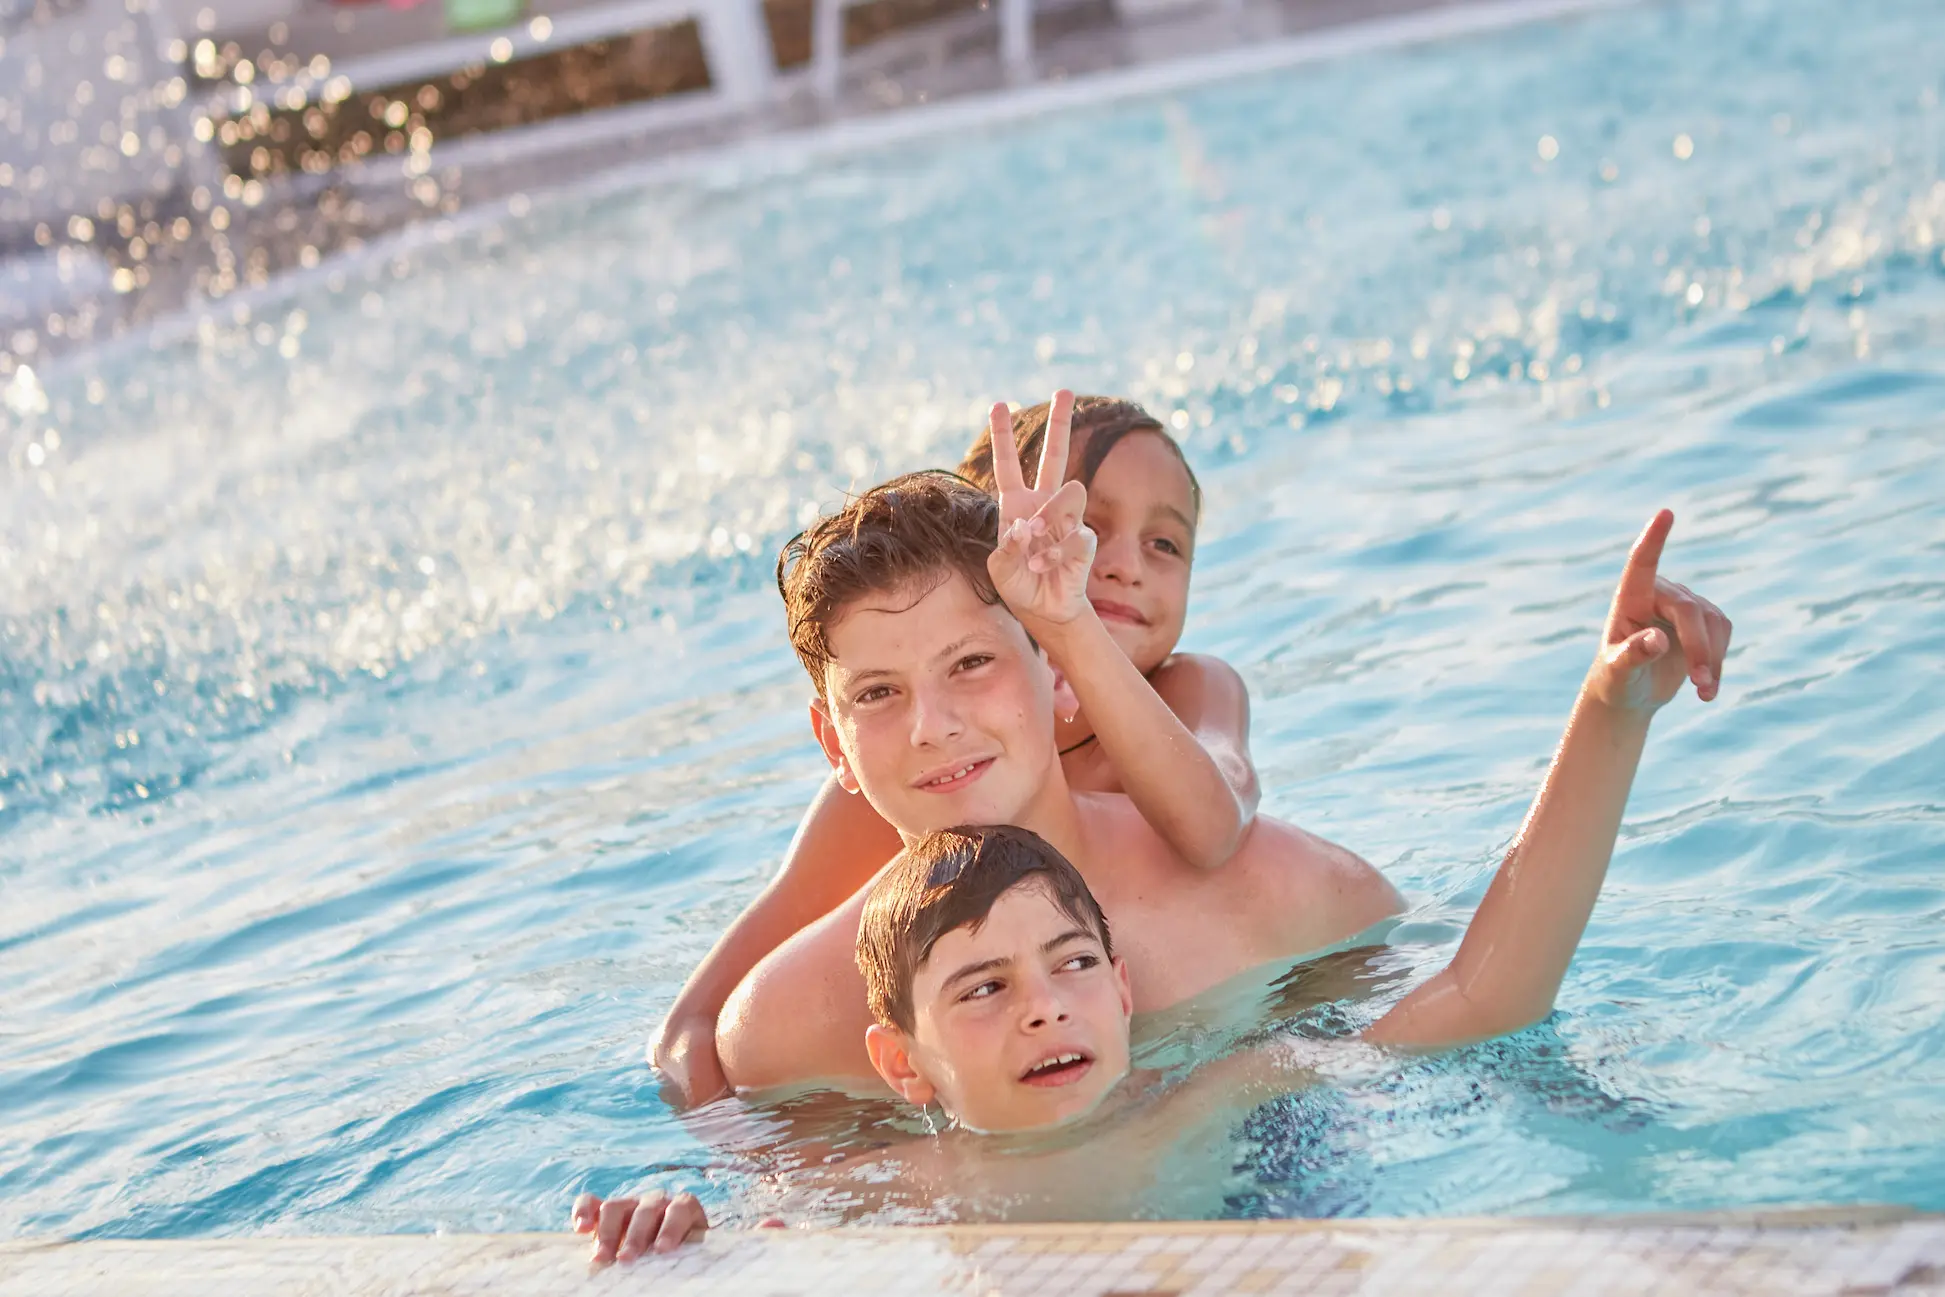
[
  {"x": 1052, "y": 1115},
  {"x": 1138, "y": 643}
]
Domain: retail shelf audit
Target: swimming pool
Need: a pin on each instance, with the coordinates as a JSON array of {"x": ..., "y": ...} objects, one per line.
[{"x": 393, "y": 703}]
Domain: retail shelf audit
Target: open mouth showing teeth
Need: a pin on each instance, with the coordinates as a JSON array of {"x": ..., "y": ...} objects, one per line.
[
  {"x": 1061, "y": 1069},
  {"x": 953, "y": 778}
]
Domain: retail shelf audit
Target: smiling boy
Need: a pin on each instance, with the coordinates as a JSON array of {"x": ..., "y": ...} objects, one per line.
[
  {"x": 926, "y": 615},
  {"x": 937, "y": 704}
]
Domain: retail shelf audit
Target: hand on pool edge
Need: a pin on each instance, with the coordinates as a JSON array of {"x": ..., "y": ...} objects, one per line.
[
  {"x": 625, "y": 1228},
  {"x": 1658, "y": 635}
]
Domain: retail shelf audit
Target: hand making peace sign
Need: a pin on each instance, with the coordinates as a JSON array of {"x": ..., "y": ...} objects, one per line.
[{"x": 1045, "y": 550}]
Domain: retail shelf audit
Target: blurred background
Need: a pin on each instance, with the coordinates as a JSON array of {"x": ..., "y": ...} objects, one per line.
[{"x": 158, "y": 152}]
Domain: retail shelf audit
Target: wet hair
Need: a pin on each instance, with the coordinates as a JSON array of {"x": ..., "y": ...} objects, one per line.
[
  {"x": 950, "y": 880},
  {"x": 919, "y": 528},
  {"x": 1100, "y": 422}
]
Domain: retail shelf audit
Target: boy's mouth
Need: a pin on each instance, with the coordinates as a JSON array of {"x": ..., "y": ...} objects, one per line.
[
  {"x": 951, "y": 781},
  {"x": 1109, "y": 610},
  {"x": 1061, "y": 1069}
]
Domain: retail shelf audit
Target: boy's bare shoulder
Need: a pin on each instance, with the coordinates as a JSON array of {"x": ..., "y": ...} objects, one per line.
[
  {"x": 800, "y": 1013},
  {"x": 1347, "y": 891},
  {"x": 1191, "y": 671},
  {"x": 1310, "y": 890}
]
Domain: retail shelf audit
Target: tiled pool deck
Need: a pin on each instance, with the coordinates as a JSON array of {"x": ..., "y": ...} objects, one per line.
[{"x": 1849, "y": 1251}]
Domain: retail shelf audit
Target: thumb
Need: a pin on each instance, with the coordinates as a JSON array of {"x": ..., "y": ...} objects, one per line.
[{"x": 1638, "y": 649}]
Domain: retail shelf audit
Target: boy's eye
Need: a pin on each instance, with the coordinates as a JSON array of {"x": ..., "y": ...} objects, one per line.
[
  {"x": 1167, "y": 546},
  {"x": 1080, "y": 962},
  {"x": 873, "y": 694},
  {"x": 984, "y": 990},
  {"x": 973, "y": 661}
]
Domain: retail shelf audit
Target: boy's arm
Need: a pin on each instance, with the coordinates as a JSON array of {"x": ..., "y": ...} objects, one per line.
[
  {"x": 1040, "y": 568},
  {"x": 1515, "y": 953},
  {"x": 1213, "y": 702},
  {"x": 841, "y": 843}
]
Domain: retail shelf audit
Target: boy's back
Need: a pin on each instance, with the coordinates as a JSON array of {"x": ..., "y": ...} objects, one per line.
[{"x": 801, "y": 1013}]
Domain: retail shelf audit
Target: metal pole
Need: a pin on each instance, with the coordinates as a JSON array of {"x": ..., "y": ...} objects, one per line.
[
  {"x": 827, "y": 47},
  {"x": 736, "y": 43},
  {"x": 1016, "y": 36}
]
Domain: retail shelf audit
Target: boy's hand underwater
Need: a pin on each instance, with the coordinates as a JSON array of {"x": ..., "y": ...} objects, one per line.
[
  {"x": 1045, "y": 551},
  {"x": 1658, "y": 634}
]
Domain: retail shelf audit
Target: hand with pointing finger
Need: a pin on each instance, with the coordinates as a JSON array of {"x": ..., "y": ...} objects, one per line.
[
  {"x": 1659, "y": 634},
  {"x": 1045, "y": 551}
]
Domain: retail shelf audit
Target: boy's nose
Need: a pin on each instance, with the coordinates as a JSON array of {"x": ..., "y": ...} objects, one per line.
[
  {"x": 1117, "y": 559},
  {"x": 934, "y": 720},
  {"x": 1044, "y": 1008}
]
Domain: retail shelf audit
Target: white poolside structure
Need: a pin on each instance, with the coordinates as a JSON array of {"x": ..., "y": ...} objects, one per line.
[{"x": 68, "y": 41}]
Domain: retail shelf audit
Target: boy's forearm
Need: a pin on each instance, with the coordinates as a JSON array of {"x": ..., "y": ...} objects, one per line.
[
  {"x": 1515, "y": 953},
  {"x": 1170, "y": 776},
  {"x": 830, "y": 857}
]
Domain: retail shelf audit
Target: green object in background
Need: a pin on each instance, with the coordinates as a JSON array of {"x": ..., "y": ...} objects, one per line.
[{"x": 471, "y": 15}]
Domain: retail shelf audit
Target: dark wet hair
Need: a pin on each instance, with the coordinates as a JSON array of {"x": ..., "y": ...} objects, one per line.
[
  {"x": 1101, "y": 420},
  {"x": 949, "y": 880}
]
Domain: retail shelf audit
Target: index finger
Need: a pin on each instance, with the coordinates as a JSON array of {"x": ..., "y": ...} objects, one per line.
[
  {"x": 1006, "y": 452},
  {"x": 1053, "y": 451},
  {"x": 587, "y": 1209},
  {"x": 1637, "y": 587}
]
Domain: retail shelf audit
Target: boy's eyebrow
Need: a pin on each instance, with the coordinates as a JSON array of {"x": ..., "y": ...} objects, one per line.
[
  {"x": 1046, "y": 948},
  {"x": 974, "y": 969},
  {"x": 1176, "y": 514},
  {"x": 955, "y": 646},
  {"x": 1072, "y": 934},
  {"x": 850, "y": 678}
]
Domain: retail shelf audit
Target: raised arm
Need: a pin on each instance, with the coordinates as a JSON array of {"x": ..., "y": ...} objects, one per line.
[
  {"x": 1515, "y": 953},
  {"x": 1040, "y": 569},
  {"x": 1207, "y": 695},
  {"x": 841, "y": 843}
]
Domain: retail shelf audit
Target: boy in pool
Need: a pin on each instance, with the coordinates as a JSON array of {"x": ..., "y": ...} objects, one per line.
[
  {"x": 1143, "y": 505},
  {"x": 996, "y": 992},
  {"x": 929, "y": 644}
]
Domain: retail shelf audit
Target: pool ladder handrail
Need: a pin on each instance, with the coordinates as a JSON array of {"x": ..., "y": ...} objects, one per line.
[{"x": 827, "y": 42}]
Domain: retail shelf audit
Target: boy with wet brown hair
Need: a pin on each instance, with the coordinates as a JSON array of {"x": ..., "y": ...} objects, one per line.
[
  {"x": 938, "y": 683},
  {"x": 1144, "y": 505}
]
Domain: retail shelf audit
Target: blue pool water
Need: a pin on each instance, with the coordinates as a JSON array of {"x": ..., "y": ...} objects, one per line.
[{"x": 393, "y": 704}]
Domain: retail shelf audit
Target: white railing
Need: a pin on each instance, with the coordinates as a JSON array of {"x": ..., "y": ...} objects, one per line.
[{"x": 827, "y": 41}]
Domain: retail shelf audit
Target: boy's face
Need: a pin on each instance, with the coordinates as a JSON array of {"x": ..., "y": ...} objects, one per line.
[
  {"x": 1141, "y": 510},
  {"x": 1018, "y": 1024},
  {"x": 939, "y": 708}
]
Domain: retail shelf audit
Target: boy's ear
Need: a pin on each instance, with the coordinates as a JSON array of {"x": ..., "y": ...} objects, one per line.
[
  {"x": 825, "y": 728},
  {"x": 891, "y": 1055},
  {"x": 1067, "y": 704},
  {"x": 1127, "y": 992}
]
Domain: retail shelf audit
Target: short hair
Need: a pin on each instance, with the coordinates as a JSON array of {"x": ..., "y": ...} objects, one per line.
[
  {"x": 948, "y": 880},
  {"x": 1103, "y": 420},
  {"x": 921, "y": 527}
]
